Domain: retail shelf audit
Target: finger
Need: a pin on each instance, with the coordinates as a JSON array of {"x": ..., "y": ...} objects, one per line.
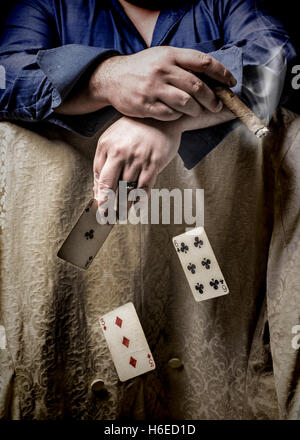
[
  {"x": 162, "y": 112},
  {"x": 203, "y": 63},
  {"x": 180, "y": 100},
  {"x": 109, "y": 179},
  {"x": 131, "y": 173},
  {"x": 147, "y": 179},
  {"x": 97, "y": 167},
  {"x": 193, "y": 86}
]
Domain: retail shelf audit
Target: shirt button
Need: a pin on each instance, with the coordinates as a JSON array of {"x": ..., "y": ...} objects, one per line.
[
  {"x": 175, "y": 363},
  {"x": 98, "y": 388}
]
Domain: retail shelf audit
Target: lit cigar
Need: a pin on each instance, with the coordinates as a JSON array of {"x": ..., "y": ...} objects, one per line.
[{"x": 237, "y": 107}]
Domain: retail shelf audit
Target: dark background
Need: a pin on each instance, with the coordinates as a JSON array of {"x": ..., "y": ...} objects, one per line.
[{"x": 287, "y": 12}]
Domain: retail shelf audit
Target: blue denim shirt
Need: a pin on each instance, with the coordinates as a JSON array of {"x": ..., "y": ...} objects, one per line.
[{"x": 48, "y": 46}]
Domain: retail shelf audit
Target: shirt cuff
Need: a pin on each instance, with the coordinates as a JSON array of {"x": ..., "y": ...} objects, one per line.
[
  {"x": 260, "y": 87},
  {"x": 232, "y": 58},
  {"x": 196, "y": 144},
  {"x": 65, "y": 65}
]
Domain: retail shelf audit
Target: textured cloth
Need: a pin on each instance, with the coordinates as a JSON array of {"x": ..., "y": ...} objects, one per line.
[
  {"x": 238, "y": 358},
  {"x": 49, "y": 47}
]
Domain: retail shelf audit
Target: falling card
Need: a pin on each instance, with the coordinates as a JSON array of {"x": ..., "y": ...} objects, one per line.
[
  {"x": 127, "y": 342},
  {"x": 200, "y": 265},
  {"x": 86, "y": 238}
]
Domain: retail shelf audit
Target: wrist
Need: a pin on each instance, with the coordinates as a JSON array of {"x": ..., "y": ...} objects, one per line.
[
  {"x": 187, "y": 123},
  {"x": 98, "y": 86},
  {"x": 173, "y": 127}
]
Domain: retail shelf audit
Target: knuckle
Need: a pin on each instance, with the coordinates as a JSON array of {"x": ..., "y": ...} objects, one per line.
[
  {"x": 96, "y": 173},
  {"x": 97, "y": 168},
  {"x": 147, "y": 90},
  {"x": 104, "y": 184},
  {"x": 141, "y": 102},
  {"x": 116, "y": 152},
  {"x": 197, "y": 86},
  {"x": 157, "y": 69},
  {"x": 144, "y": 89},
  {"x": 167, "y": 51},
  {"x": 156, "y": 110},
  {"x": 166, "y": 111},
  {"x": 142, "y": 109},
  {"x": 162, "y": 62},
  {"x": 205, "y": 60},
  {"x": 185, "y": 100},
  {"x": 101, "y": 143},
  {"x": 167, "y": 114},
  {"x": 150, "y": 108},
  {"x": 155, "y": 163}
]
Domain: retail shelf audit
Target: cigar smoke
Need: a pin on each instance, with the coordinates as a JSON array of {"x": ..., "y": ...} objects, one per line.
[{"x": 261, "y": 89}]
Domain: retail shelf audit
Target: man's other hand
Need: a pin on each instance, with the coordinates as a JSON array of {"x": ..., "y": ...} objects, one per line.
[{"x": 134, "y": 150}]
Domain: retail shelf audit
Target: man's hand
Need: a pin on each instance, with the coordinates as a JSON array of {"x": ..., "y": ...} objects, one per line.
[
  {"x": 137, "y": 150},
  {"x": 157, "y": 83},
  {"x": 134, "y": 150}
]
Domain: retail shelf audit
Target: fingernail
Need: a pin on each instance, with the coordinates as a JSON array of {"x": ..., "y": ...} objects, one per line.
[
  {"x": 219, "y": 106},
  {"x": 233, "y": 82}
]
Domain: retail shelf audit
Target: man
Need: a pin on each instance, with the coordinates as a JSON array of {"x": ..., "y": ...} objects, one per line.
[
  {"x": 71, "y": 63},
  {"x": 78, "y": 58}
]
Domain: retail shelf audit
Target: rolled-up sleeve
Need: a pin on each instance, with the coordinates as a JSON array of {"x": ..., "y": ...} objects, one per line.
[{"x": 40, "y": 74}]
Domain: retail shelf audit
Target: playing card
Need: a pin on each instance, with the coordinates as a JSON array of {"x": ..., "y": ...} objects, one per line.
[
  {"x": 85, "y": 239},
  {"x": 127, "y": 343},
  {"x": 200, "y": 265}
]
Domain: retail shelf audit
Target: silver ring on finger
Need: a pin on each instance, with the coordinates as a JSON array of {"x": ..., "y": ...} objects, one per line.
[{"x": 131, "y": 185}]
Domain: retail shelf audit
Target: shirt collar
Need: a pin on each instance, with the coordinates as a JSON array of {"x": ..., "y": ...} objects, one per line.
[{"x": 167, "y": 20}]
